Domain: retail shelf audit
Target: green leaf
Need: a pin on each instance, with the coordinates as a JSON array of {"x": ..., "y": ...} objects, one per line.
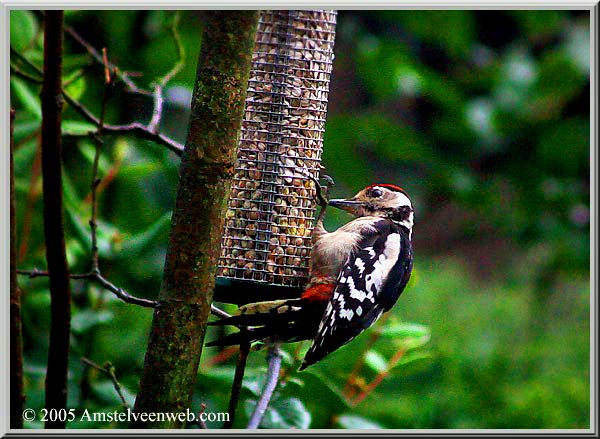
[
  {"x": 75, "y": 251},
  {"x": 23, "y": 28},
  {"x": 25, "y": 129},
  {"x": 24, "y": 155},
  {"x": 77, "y": 84},
  {"x": 255, "y": 385},
  {"x": 407, "y": 335},
  {"x": 135, "y": 244},
  {"x": 405, "y": 330},
  {"x": 329, "y": 393},
  {"x": 357, "y": 423},
  {"x": 282, "y": 413},
  {"x": 376, "y": 361},
  {"x": 412, "y": 357},
  {"x": 77, "y": 128},
  {"x": 31, "y": 101},
  {"x": 86, "y": 319}
]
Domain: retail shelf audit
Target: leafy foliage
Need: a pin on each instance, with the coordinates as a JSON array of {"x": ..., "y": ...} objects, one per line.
[{"x": 483, "y": 116}]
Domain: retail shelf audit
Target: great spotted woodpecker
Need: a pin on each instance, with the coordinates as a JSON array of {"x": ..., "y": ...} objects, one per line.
[{"x": 356, "y": 274}]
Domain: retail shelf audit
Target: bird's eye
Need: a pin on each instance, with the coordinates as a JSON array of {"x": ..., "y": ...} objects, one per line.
[{"x": 376, "y": 193}]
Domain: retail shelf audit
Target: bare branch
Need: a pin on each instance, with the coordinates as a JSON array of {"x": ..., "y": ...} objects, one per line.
[
  {"x": 135, "y": 128},
  {"x": 14, "y": 70},
  {"x": 379, "y": 378},
  {"x": 350, "y": 388},
  {"x": 236, "y": 386},
  {"x": 274, "y": 360},
  {"x": 123, "y": 76},
  {"x": 158, "y": 88},
  {"x": 109, "y": 370},
  {"x": 98, "y": 141},
  {"x": 123, "y": 295},
  {"x": 101, "y": 280}
]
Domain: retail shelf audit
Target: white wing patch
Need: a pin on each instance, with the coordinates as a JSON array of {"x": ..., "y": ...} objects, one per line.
[
  {"x": 372, "y": 253},
  {"x": 383, "y": 265},
  {"x": 360, "y": 265},
  {"x": 346, "y": 314}
]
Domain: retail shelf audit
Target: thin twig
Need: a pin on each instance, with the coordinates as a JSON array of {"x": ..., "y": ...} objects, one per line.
[
  {"x": 379, "y": 378},
  {"x": 109, "y": 370},
  {"x": 123, "y": 295},
  {"x": 14, "y": 70},
  {"x": 274, "y": 361},
  {"x": 158, "y": 88},
  {"x": 138, "y": 129},
  {"x": 135, "y": 128},
  {"x": 107, "y": 179},
  {"x": 350, "y": 386},
  {"x": 98, "y": 141},
  {"x": 123, "y": 76},
  {"x": 98, "y": 278},
  {"x": 236, "y": 386}
]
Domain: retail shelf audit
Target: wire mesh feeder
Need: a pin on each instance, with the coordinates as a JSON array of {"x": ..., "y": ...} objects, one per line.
[{"x": 270, "y": 217}]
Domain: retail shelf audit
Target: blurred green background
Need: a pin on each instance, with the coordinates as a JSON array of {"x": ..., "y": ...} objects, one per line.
[{"x": 482, "y": 116}]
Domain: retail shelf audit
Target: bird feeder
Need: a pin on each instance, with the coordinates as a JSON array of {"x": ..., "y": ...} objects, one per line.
[{"x": 270, "y": 217}]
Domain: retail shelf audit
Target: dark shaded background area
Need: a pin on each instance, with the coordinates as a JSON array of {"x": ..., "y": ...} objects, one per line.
[{"x": 482, "y": 116}]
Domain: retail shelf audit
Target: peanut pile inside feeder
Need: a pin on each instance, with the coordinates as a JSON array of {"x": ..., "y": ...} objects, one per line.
[{"x": 271, "y": 211}]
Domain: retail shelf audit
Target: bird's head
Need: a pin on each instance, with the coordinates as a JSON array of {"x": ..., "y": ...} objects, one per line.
[{"x": 384, "y": 200}]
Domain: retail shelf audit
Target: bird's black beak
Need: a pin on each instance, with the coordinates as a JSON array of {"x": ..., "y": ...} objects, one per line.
[{"x": 352, "y": 206}]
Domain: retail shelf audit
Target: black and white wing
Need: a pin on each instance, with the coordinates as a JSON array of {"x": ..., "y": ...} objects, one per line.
[{"x": 369, "y": 284}]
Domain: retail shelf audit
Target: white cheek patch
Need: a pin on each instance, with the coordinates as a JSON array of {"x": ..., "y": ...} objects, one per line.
[{"x": 402, "y": 200}]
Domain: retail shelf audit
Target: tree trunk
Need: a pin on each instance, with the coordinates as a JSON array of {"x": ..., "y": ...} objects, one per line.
[
  {"x": 16, "y": 335},
  {"x": 205, "y": 176},
  {"x": 54, "y": 233}
]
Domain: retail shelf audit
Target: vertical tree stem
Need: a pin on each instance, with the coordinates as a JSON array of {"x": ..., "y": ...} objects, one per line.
[
  {"x": 60, "y": 291},
  {"x": 16, "y": 335},
  {"x": 205, "y": 175},
  {"x": 236, "y": 386}
]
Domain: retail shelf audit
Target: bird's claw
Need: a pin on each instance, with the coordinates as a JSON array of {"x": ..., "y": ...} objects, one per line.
[{"x": 323, "y": 190}]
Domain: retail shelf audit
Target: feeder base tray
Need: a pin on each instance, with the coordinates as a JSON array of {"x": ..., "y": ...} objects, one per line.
[{"x": 241, "y": 292}]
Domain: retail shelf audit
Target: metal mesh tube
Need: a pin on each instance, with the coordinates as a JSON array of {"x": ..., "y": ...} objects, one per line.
[{"x": 271, "y": 211}]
